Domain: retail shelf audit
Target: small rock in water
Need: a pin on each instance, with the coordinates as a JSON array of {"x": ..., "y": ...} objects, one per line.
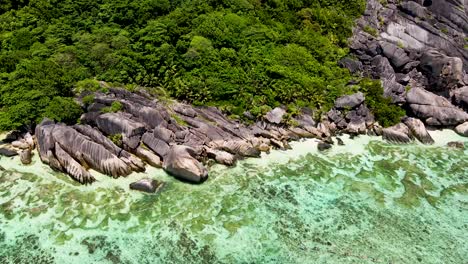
[
  {"x": 2, "y": 169},
  {"x": 322, "y": 146},
  {"x": 456, "y": 144},
  {"x": 340, "y": 141},
  {"x": 7, "y": 152},
  {"x": 147, "y": 185},
  {"x": 26, "y": 156}
]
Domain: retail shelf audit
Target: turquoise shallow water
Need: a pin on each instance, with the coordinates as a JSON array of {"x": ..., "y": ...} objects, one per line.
[{"x": 366, "y": 202}]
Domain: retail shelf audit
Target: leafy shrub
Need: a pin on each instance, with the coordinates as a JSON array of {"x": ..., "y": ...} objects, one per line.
[
  {"x": 386, "y": 113},
  {"x": 115, "y": 107}
]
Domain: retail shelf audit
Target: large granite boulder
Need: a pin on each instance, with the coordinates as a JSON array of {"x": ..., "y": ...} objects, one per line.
[
  {"x": 395, "y": 54},
  {"x": 418, "y": 130},
  {"x": 399, "y": 133},
  {"x": 157, "y": 145},
  {"x": 276, "y": 115},
  {"x": 181, "y": 163},
  {"x": 118, "y": 123},
  {"x": 434, "y": 110},
  {"x": 26, "y": 156},
  {"x": 349, "y": 101},
  {"x": 460, "y": 97},
  {"x": 149, "y": 157},
  {"x": 72, "y": 167},
  {"x": 443, "y": 72}
]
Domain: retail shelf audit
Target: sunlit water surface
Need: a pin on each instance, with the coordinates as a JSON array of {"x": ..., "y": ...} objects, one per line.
[{"x": 365, "y": 202}]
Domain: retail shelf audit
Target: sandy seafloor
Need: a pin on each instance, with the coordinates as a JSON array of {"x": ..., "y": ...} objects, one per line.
[{"x": 365, "y": 202}]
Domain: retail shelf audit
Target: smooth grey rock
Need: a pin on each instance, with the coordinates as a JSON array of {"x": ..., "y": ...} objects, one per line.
[
  {"x": 357, "y": 126},
  {"x": 444, "y": 73},
  {"x": 26, "y": 156},
  {"x": 350, "y": 101},
  {"x": 460, "y": 97},
  {"x": 221, "y": 157},
  {"x": 164, "y": 134},
  {"x": 456, "y": 144},
  {"x": 462, "y": 129},
  {"x": 87, "y": 152},
  {"x": 275, "y": 116},
  {"x": 181, "y": 163},
  {"x": 147, "y": 185},
  {"x": 354, "y": 66},
  {"x": 418, "y": 130},
  {"x": 8, "y": 152},
  {"x": 399, "y": 133},
  {"x": 185, "y": 110},
  {"x": 435, "y": 110},
  {"x": 117, "y": 123},
  {"x": 157, "y": 145},
  {"x": 396, "y": 55},
  {"x": 72, "y": 167}
]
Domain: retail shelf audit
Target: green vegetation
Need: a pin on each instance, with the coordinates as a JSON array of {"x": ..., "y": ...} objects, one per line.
[
  {"x": 236, "y": 54},
  {"x": 371, "y": 30},
  {"x": 116, "y": 139},
  {"x": 114, "y": 108},
  {"x": 386, "y": 113}
]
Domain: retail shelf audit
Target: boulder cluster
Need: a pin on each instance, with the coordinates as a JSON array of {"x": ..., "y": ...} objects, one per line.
[
  {"x": 178, "y": 137},
  {"x": 418, "y": 50}
]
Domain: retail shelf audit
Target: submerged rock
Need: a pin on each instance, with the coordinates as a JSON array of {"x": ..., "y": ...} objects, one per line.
[
  {"x": 26, "y": 156},
  {"x": 435, "y": 110},
  {"x": 181, "y": 163},
  {"x": 147, "y": 185},
  {"x": 275, "y": 116},
  {"x": 462, "y": 129},
  {"x": 72, "y": 167},
  {"x": 322, "y": 146},
  {"x": 349, "y": 101},
  {"x": 456, "y": 145}
]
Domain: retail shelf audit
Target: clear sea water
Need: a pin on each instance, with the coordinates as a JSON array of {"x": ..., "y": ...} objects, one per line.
[{"x": 365, "y": 202}]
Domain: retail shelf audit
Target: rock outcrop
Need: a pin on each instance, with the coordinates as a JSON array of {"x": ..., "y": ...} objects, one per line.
[
  {"x": 147, "y": 185},
  {"x": 399, "y": 133},
  {"x": 433, "y": 109},
  {"x": 418, "y": 50},
  {"x": 181, "y": 162},
  {"x": 462, "y": 129}
]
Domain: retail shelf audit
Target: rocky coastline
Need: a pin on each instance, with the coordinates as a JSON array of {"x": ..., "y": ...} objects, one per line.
[{"x": 415, "y": 48}]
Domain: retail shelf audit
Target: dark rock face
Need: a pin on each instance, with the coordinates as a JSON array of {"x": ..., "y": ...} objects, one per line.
[
  {"x": 460, "y": 97},
  {"x": 444, "y": 73},
  {"x": 462, "y": 129},
  {"x": 147, "y": 185},
  {"x": 418, "y": 130},
  {"x": 8, "y": 152}
]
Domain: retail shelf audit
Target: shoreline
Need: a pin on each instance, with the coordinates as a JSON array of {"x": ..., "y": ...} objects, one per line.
[{"x": 353, "y": 146}]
